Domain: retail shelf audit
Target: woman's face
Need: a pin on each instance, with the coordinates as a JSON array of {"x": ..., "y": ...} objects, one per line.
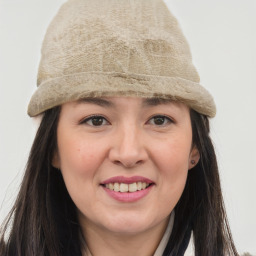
[{"x": 124, "y": 160}]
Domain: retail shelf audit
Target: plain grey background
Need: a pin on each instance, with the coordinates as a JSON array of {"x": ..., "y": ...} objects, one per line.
[{"x": 222, "y": 37}]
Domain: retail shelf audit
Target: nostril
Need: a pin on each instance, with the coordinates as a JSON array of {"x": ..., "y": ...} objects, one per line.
[{"x": 117, "y": 162}]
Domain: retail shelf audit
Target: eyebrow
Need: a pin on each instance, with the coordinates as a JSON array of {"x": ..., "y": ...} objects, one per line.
[
  {"x": 147, "y": 102},
  {"x": 98, "y": 101},
  {"x": 155, "y": 101}
]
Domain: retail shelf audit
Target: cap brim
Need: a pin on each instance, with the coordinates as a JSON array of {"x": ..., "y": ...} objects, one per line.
[{"x": 56, "y": 91}]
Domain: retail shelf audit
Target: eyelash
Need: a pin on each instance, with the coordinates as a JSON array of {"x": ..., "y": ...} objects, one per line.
[
  {"x": 90, "y": 118},
  {"x": 167, "y": 120}
]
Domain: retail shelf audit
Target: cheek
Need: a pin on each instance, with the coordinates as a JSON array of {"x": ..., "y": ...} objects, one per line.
[
  {"x": 173, "y": 155},
  {"x": 174, "y": 173},
  {"x": 77, "y": 157},
  {"x": 173, "y": 169},
  {"x": 78, "y": 164}
]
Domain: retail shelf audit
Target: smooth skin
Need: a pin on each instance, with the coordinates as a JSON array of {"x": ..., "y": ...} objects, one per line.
[{"x": 102, "y": 138}]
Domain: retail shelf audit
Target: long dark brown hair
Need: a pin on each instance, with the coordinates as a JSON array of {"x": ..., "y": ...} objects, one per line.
[{"x": 43, "y": 220}]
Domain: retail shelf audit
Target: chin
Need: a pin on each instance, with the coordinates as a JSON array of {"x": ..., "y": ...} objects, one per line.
[
  {"x": 129, "y": 223},
  {"x": 127, "y": 228}
]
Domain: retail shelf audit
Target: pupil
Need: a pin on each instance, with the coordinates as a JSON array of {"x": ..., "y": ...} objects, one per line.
[
  {"x": 159, "y": 120},
  {"x": 97, "y": 121}
]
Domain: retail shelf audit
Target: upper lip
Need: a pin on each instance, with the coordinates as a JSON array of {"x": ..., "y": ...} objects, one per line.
[{"x": 127, "y": 180}]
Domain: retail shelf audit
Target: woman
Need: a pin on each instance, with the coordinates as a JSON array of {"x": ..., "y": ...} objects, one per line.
[{"x": 122, "y": 163}]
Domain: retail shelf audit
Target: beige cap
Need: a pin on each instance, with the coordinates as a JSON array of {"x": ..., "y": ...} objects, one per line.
[{"x": 97, "y": 48}]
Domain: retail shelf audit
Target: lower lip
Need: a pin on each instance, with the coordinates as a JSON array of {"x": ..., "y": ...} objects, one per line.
[{"x": 128, "y": 196}]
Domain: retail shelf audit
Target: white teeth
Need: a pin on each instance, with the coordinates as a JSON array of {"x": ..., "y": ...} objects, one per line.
[
  {"x": 123, "y": 187},
  {"x": 133, "y": 187},
  {"x": 139, "y": 185},
  {"x": 116, "y": 187},
  {"x": 110, "y": 186}
]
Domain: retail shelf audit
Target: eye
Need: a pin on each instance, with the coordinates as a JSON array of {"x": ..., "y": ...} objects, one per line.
[
  {"x": 160, "y": 120},
  {"x": 95, "y": 121}
]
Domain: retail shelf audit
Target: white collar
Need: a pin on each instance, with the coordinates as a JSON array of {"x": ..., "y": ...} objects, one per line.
[{"x": 160, "y": 249}]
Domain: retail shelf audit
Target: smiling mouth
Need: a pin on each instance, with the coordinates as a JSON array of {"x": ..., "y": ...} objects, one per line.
[{"x": 124, "y": 187}]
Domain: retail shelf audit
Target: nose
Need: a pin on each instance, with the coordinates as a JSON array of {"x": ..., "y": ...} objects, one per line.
[{"x": 128, "y": 147}]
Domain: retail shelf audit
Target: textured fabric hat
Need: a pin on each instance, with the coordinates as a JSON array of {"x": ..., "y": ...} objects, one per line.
[{"x": 116, "y": 48}]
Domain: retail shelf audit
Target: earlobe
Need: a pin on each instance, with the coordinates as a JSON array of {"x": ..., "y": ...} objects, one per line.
[
  {"x": 194, "y": 157},
  {"x": 56, "y": 160}
]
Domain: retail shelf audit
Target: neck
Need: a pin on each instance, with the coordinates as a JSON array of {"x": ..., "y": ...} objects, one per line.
[{"x": 102, "y": 242}]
